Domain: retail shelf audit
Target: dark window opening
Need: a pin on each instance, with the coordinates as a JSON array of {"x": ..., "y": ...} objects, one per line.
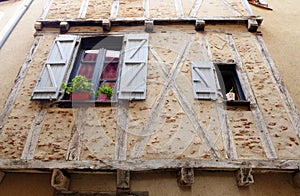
[{"x": 229, "y": 82}]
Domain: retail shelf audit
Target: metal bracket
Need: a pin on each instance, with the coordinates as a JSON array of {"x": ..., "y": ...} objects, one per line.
[
  {"x": 59, "y": 180},
  {"x": 199, "y": 25},
  {"x": 149, "y": 26},
  {"x": 64, "y": 27},
  {"x": 186, "y": 176},
  {"x": 106, "y": 25}
]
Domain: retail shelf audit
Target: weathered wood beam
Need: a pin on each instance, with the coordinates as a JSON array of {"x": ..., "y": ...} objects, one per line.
[
  {"x": 244, "y": 176},
  {"x": 195, "y": 8},
  {"x": 139, "y": 165},
  {"x": 252, "y": 25},
  {"x": 199, "y": 25},
  {"x": 123, "y": 180},
  {"x": 106, "y": 25},
  {"x": 149, "y": 26},
  {"x": 114, "y": 9},
  {"x": 186, "y": 176},
  {"x": 33, "y": 135},
  {"x": 121, "y": 136},
  {"x": 64, "y": 27},
  {"x": 83, "y": 8},
  {"x": 55, "y": 23},
  {"x": 46, "y": 9},
  {"x": 59, "y": 180},
  {"x": 146, "y": 5},
  {"x": 18, "y": 83},
  {"x": 178, "y": 7}
]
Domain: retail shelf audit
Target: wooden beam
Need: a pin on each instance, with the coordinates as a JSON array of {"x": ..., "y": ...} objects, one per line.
[
  {"x": 244, "y": 176},
  {"x": 114, "y": 9},
  {"x": 123, "y": 180},
  {"x": 106, "y": 25},
  {"x": 59, "y": 180},
  {"x": 252, "y": 25},
  {"x": 296, "y": 179},
  {"x": 140, "y": 165},
  {"x": 186, "y": 176},
  {"x": 18, "y": 83},
  {"x": 199, "y": 25},
  {"x": 33, "y": 135},
  {"x": 146, "y": 8},
  {"x": 55, "y": 23},
  {"x": 195, "y": 8},
  {"x": 149, "y": 26},
  {"x": 121, "y": 135},
  {"x": 75, "y": 144},
  {"x": 64, "y": 27},
  {"x": 178, "y": 7},
  {"x": 46, "y": 9},
  {"x": 83, "y": 8}
]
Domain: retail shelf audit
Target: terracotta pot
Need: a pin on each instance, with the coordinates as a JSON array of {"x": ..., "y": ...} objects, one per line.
[
  {"x": 230, "y": 96},
  {"x": 80, "y": 96},
  {"x": 102, "y": 97}
]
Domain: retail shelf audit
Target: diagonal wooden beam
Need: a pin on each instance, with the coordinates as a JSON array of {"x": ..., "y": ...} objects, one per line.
[
  {"x": 114, "y": 9},
  {"x": 196, "y": 8},
  {"x": 83, "y": 8},
  {"x": 146, "y": 5},
  {"x": 178, "y": 6},
  {"x": 154, "y": 114}
]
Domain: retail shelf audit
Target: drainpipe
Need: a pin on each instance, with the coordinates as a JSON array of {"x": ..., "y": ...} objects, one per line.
[{"x": 14, "y": 21}]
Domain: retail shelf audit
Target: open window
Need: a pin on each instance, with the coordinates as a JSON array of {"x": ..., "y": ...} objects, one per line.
[
  {"x": 230, "y": 85},
  {"x": 117, "y": 62}
]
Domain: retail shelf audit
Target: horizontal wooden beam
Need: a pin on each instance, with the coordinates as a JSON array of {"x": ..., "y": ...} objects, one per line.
[
  {"x": 55, "y": 23},
  {"x": 138, "y": 165}
]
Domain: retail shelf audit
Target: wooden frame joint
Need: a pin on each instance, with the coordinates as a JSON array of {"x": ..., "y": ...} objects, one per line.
[
  {"x": 64, "y": 27},
  {"x": 59, "y": 180},
  {"x": 244, "y": 176},
  {"x": 123, "y": 180},
  {"x": 199, "y": 25},
  {"x": 186, "y": 176},
  {"x": 106, "y": 25},
  {"x": 38, "y": 26},
  {"x": 252, "y": 25},
  {"x": 149, "y": 26}
]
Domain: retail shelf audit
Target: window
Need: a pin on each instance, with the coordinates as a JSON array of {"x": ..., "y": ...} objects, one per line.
[
  {"x": 118, "y": 61},
  {"x": 98, "y": 60}
]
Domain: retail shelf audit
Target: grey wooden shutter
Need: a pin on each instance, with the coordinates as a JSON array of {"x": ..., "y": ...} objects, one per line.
[
  {"x": 204, "y": 84},
  {"x": 134, "y": 67},
  {"x": 55, "y": 68}
]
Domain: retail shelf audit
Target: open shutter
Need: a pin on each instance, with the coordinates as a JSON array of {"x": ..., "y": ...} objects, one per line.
[
  {"x": 134, "y": 67},
  {"x": 55, "y": 68},
  {"x": 204, "y": 84}
]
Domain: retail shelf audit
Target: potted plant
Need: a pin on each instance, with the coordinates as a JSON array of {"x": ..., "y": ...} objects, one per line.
[
  {"x": 104, "y": 93},
  {"x": 231, "y": 95},
  {"x": 80, "y": 88}
]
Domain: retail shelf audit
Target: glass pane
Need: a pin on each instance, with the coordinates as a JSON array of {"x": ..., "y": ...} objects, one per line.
[
  {"x": 90, "y": 57},
  {"x": 110, "y": 71},
  {"x": 87, "y": 70}
]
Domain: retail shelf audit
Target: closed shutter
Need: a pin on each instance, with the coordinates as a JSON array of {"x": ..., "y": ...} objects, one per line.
[
  {"x": 204, "y": 84},
  {"x": 134, "y": 67},
  {"x": 55, "y": 68}
]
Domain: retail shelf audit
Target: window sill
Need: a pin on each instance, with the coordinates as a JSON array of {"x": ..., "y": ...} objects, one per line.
[
  {"x": 88, "y": 103},
  {"x": 237, "y": 104}
]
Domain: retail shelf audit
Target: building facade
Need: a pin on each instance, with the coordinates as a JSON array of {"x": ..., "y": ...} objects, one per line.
[{"x": 171, "y": 66}]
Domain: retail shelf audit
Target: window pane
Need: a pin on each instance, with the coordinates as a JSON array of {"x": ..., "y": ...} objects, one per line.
[
  {"x": 87, "y": 70},
  {"x": 110, "y": 71}
]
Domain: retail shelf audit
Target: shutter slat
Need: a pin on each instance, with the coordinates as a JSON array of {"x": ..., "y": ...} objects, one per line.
[
  {"x": 134, "y": 68},
  {"x": 55, "y": 68},
  {"x": 204, "y": 84}
]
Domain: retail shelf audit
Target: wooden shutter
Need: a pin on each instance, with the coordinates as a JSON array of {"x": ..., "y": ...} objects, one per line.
[
  {"x": 55, "y": 68},
  {"x": 204, "y": 84},
  {"x": 134, "y": 67}
]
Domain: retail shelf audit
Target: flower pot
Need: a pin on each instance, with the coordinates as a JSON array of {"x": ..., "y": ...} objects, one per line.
[
  {"x": 80, "y": 96},
  {"x": 230, "y": 96},
  {"x": 102, "y": 97}
]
